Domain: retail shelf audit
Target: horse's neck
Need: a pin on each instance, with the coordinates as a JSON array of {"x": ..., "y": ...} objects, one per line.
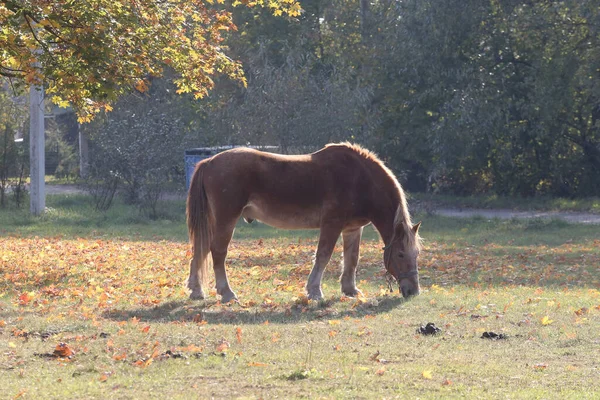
[{"x": 383, "y": 220}]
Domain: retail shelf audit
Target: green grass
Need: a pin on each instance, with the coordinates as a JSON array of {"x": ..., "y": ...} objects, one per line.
[
  {"x": 537, "y": 281},
  {"x": 540, "y": 203},
  {"x": 75, "y": 215}
]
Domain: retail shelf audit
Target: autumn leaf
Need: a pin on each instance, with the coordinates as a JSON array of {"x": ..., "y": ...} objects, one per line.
[
  {"x": 257, "y": 364},
  {"x": 25, "y": 298},
  {"x": 62, "y": 350},
  {"x": 20, "y": 394},
  {"x": 222, "y": 347},
  {"x": 375, "y": 356},
  {"x": 380, "y": 371},
  {"x": 546, "y": 321},
  {"x": 238, "y": 334},
  {"x": 581, "y": 311},
  {"x": 427, "y": 374},
  {"x": 198, "y": 318}
]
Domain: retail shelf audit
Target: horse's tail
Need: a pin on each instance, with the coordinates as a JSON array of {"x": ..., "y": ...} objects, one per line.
[{"x": 200, "y": 222}]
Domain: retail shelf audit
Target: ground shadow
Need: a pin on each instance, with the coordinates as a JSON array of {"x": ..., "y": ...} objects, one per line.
[{"x": 288, "y": 313}]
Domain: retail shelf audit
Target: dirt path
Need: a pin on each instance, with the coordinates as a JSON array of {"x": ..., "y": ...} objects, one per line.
[{"x": 569, "y": 216}]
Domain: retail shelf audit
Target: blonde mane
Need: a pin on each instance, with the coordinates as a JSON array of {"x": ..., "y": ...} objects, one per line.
[{"x": 402, "y": 214}]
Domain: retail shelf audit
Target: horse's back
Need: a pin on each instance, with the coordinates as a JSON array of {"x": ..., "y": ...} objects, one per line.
[{"x": 282, "y": 190}]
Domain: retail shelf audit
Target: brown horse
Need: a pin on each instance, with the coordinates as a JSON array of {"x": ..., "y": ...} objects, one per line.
[{"x": 339, "y": 189}]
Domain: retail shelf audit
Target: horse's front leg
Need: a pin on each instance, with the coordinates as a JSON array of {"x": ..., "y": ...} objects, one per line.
[
  {"x": 327, "y": 239},
  {"x": 351, "y": 253},
  {"x": 218, "y": 249}
]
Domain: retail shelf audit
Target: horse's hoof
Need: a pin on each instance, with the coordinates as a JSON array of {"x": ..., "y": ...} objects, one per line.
[
  {"x": 315, "y": 296},
  {"x": 196, "y": 295},
  {"x": 352, "y": 292},
  {"x": 226, "y": 298}
]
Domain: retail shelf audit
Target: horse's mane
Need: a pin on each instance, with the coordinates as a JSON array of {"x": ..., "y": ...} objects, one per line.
[{"x": 402, "y": 213}]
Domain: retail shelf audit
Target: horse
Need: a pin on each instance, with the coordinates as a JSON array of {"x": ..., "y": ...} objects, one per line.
[{"x": 339, "y": 190}]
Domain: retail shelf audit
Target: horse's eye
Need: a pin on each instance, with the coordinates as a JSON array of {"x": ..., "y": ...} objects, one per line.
[{"x": 401, "y": 254}]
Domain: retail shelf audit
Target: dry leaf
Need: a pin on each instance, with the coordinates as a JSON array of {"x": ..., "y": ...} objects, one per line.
[
  {"x": 257, "y": 364},
  {"x": 222, "y": 347},
  {"x": 62, "y": 350}
]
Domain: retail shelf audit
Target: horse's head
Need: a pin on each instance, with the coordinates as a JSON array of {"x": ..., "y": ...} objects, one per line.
[{"x": 400, "y": 258}]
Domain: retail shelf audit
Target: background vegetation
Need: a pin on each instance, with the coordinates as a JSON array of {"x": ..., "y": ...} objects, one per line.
[{"x": 463, "y": 97}]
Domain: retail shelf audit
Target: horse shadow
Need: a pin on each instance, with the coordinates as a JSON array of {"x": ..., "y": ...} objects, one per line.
[{"x": 212, "y": 312}]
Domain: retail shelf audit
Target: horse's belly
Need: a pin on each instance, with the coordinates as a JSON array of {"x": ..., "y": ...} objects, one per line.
[{"x": 283, "y": 217}]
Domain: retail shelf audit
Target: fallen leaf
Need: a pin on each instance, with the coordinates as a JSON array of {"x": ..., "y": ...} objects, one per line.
[
  {"x": 238, "y": 334},
  {"x": 257, "y": 364},
  {"x": 62, "y": 350},
  {"x": 581, "y": 311},
  {"x": 380, "y": 371},
  {"x": 546, "y": 321},
  {"x": 25, "y": 298},
  {"x": 375, "y": 356},
  {"x": 222, "y": 347},
  {"x": 427, "y": 374}
]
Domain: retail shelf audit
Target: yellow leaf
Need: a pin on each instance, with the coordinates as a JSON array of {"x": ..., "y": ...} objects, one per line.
[
  {"x": 427, "y": 374},
  {"x": 12, "y": 345},
  {"x": 546, "y": 321}
]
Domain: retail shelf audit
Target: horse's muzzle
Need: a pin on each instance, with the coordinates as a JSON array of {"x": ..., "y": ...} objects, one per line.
[{"x": 408, "y": 290}]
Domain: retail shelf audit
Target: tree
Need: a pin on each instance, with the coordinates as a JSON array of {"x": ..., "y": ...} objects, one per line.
[
  {"x": 92, "y": 51},
  {"x": 13, "y": 157}
]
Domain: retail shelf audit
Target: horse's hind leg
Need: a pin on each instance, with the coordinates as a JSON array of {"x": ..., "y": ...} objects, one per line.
[
  {"x": 222, "y": 236},
  {"x": 327, "y": 239},
  {"x": 194, "y": 281},
  {"x": 351, "y": 253}
]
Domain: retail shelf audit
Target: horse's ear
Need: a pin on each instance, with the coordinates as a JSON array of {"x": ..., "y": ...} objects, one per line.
[
  {"x": 415, "y": 227},
  {"x": 401, "y": 229}
]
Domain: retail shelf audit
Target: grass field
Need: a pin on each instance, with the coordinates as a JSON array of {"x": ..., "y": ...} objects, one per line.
[{"x": 93, "y": 305}]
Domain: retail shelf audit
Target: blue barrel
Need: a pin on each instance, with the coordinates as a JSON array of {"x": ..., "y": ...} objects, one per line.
[{"x": 193, "y": 157}]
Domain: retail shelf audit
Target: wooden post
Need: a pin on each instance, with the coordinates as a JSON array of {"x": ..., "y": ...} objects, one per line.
[{"x": 37, "y": 170}]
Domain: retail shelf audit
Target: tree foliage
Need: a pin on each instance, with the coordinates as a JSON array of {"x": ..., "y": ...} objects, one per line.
[
  {"x": 461, "y": 96},
  {"x": 13, "y": 155},
  {"x": 136, "y": 148},
  {"x": 88, "y": 52}
]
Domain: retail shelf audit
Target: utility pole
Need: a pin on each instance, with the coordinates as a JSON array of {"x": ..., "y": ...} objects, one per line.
[
  {"x": 37, "y": 169},
  {"x": 83, "y": 153}
]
